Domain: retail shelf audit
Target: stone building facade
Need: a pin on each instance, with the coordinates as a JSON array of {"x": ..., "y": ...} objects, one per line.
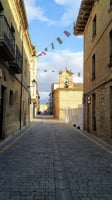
[
  {"x": 66, "y": 96},
  {"x": 16, "y": 54},
  {"x": 94, "y": 21}
]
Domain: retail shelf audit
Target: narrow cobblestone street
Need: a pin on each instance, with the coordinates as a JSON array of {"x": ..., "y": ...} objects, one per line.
[{"x": 51, "y": 160}]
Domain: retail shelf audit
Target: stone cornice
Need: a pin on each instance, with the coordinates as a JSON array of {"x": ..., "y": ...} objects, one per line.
[
  {"x": 84, "y": 13},
  {"x": 22, "y": 13}
]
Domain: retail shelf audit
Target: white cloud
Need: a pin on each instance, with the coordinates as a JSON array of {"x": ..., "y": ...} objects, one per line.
[
  {"x": 71, "y": 11},
  {"x": 58, "y": 61},
  {"x": 44, "y": 96},
  {"x": 36, "y": 12},
  {"x": 67, "y": 2}
]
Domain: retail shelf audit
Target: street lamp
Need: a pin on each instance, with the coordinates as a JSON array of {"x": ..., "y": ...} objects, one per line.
[{"x": 33, "y": 84}]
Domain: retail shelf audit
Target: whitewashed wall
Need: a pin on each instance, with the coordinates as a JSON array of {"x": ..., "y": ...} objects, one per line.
[{"x": 75, "y": 116}]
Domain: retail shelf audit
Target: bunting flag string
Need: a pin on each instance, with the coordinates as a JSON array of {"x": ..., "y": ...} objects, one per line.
[
  {"x": 67, "y": 33},
  {"x": 47, "y": 70},
  {"x": 59, "y": 40},
  {"x": 78, "y": 74},
  {"x": 40, "y": 54},
  {"x": 52, "y": 45},
  {"x": 43, "y": 53}
]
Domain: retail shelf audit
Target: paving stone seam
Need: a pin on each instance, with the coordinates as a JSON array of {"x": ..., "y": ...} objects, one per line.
[{"x": 63, "y": 192}]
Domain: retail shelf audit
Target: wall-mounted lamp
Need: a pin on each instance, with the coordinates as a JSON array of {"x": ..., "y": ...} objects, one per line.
[
  {"x": 33, "y": 83},
  {"x": 29, "y": 86}
]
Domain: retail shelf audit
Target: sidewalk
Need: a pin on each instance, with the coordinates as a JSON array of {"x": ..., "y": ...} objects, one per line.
[
  {"x": 103, "y": 144},
  {"x": 12, "y": 138}
]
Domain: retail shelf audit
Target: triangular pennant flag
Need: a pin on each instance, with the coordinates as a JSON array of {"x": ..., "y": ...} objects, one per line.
[
  {"x": 59, "y": 40},
  {"x": 67, "y": 33},
  {"x": 52, "y": 45},
  {"x": 39, "y": 55},
  {"x": 43, "y": 53},
  {"x": 78, "y": 74}
]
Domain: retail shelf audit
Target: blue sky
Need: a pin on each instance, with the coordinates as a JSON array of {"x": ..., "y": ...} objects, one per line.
[{"x": 47, "y": 21}]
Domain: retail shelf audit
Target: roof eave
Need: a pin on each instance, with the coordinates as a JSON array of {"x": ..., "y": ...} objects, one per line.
[{"x": 83, "y": 16}]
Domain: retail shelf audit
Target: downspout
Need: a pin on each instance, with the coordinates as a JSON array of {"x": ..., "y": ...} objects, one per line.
[{"x": 21, "y": 88}]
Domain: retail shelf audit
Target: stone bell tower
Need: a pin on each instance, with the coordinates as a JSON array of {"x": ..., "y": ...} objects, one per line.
[{"x": 66, "y": 79}]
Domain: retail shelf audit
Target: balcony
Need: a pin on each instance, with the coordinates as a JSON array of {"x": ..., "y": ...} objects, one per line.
[
  {"x": 111, "y": 60},
  {"x": 15, "y": 65},
  {"x": 7, "y": 42}
]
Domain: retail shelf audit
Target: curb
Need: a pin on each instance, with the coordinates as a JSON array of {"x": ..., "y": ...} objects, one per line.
[{"x": 99, "y": 141}]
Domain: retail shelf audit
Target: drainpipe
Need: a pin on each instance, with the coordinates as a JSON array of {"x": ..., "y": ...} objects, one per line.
[{"x": 21, "y": 88}]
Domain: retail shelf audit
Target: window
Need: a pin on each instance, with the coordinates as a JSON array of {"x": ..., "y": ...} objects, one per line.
[
  {"x": 1, "y": 7},
  {"x": 12, "y": 29},
  {"x": 93, "y": 67},
  {"x": 94, "y": 26},
  {"x": 111, "y": 47},
  {"x": 11, "y": 98},
  {"x": 110, "y": 3},
  {"x": 66, "y": 83}
]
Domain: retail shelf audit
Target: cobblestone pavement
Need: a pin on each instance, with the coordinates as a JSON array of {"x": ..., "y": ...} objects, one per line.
[{"x": 54, "y": 161}]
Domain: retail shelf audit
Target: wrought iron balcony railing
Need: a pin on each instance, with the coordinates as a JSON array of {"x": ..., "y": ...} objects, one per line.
[
  {"x": 16, "y": 64},
  {"x": 7, "y": 41},
  {"x": 111, "y": 60}
]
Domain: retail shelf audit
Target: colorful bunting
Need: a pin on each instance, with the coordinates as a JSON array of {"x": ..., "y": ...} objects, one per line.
[
  {"x": 52, "y": 45},
  {"x": 67, "y": 33},
  {"x": 43, "y": 53},
  {"x": 46, "y": 49},
  {"x": 78, "y": 74},
  {"x": 59, "y": 40},
  {"x": 39, "y": 55}
]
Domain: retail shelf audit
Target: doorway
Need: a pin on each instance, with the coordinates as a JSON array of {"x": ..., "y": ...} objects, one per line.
[
  {"x": 88, "y": 117},
  {"x": 2, "y": 111},
  {"x": 94, "y": 112}
]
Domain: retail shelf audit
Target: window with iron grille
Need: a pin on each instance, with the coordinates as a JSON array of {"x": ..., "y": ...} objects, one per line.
[
  {"x": 11, "y": 98},
  {"x": 93, "y": 67},
  {"x": 110, "y": 3},
  {"x": 1, "y": 7},
  {"x": 94, "y": 27}
]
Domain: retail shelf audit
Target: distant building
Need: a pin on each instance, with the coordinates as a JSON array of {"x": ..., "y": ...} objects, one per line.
[
  {"x": 43, "y": 108},
  {"x": 16, "y": 55},
  {"x": 95, "y": 23},
  {"x": 33, "y": 88},
  {"x": 66, "y": 96}
]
